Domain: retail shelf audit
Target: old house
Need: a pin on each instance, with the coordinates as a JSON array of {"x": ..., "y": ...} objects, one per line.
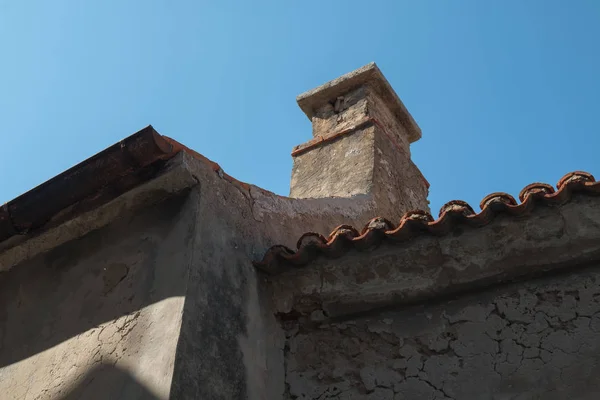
[{"x": 147, "y": 272}]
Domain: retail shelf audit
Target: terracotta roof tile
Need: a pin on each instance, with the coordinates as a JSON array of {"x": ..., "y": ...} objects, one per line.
[{"x": 416, "y": 223}]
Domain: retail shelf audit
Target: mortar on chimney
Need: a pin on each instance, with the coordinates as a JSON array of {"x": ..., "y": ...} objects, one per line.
[{"x": 361, "y": 145}]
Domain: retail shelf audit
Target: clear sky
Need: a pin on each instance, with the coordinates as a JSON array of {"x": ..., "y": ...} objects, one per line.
[{"x": 506, "y": 93}]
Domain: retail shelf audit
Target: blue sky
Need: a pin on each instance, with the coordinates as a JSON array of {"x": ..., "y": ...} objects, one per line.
[{"x": 506, "y": 93}]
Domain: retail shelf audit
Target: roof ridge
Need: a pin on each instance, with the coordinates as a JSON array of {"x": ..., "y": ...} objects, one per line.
[{"x": 415, "y": 223}]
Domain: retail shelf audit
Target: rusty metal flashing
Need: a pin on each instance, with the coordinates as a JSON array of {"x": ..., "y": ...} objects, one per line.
[{"x": 93, "y": 182}]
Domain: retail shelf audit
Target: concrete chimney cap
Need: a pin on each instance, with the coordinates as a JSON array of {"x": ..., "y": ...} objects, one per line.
[{"x": 369, "y": 75}]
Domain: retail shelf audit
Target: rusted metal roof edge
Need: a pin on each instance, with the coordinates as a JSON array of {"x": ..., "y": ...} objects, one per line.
[{"x": 102, "y": 177}]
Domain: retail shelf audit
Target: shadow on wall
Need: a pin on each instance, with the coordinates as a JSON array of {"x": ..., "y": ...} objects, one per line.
[
  {"x": 109, "y": 382},
  {"x": 210, "y": 362},
  {"x": 138, "y": 260}
]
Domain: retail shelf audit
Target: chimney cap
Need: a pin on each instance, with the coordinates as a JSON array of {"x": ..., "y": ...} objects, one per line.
[{"x": 369, "y": 75}]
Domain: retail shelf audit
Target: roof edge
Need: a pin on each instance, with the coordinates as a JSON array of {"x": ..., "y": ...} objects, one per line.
[
  {"x": 453, "y": 215},
  {"x": 165, "y": 179},
  {"x": 127, "y": 158},
  {"x": 432, "y": 264}
]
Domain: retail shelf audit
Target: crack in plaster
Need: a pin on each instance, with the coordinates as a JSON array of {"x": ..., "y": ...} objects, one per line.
[{"x": 533, "y": 333}]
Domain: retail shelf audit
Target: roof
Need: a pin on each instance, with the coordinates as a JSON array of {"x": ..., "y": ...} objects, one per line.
[
  {"x": 142, "y": 156},
  {"x": 413, "y": 224},
  {"x": 101, "y": 178}
]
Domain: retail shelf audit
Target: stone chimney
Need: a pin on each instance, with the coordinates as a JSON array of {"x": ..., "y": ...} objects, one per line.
[{"x": 361, "y": 145}]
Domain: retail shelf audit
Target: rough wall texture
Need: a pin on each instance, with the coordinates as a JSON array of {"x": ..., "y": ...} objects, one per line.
[
  {"x": 163, "y": 301},
  {"x": 342, "y": 113},
  {"x": 224, "y": 347},
  {"x": 378, "y": 109},
  {"x": 399, "y": 185},
  {"x": 534, "y": 340},
  {"x": 98, "y": 317},
  {"x": 341, "y": 168},
  {"x": 371, "y": 160},
  {"x": 365, "y": 162},
  {"x": 231, "y": 346}
]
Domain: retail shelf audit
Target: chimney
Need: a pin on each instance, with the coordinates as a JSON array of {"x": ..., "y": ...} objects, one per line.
[{"x": 361, "y": 145}]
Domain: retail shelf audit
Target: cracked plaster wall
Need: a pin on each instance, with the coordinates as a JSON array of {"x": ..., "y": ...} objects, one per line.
[
  {"x": 534, "y": 340},
  {"x": 98, "y": 317},
  {"x": 341, "y": 168},
  {"x": 163, "y": 301},
  {"x": 231, "y": 345}
]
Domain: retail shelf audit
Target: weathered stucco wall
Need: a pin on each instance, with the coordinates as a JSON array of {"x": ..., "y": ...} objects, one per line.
[
  {"x": 341, "y": 168},
  {"x": 534, "y": 340},
  {"x": 231, "y": 345},
  {"x": 225, "y": 346},
  {"x": 401, "y": 186},
  {"x": 163, "y": 302},
  {"x": 99, "y": 317}
]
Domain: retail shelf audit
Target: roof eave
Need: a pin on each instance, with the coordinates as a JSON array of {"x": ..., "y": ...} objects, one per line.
[
  {"x": 426, "y": 267},
  {"x": 138, "y": 171}
]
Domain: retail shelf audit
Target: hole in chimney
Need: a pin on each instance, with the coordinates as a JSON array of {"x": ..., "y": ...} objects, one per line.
[{"x": 338, "y": 106}]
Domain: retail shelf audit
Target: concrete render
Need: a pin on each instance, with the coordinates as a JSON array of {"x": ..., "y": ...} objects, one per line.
[
  {"x": 160, "y": 299},
  {"x": 506, "y": 311},
  {"x": 99, "y": 317},
  {"x": 532, "y": 340}
]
